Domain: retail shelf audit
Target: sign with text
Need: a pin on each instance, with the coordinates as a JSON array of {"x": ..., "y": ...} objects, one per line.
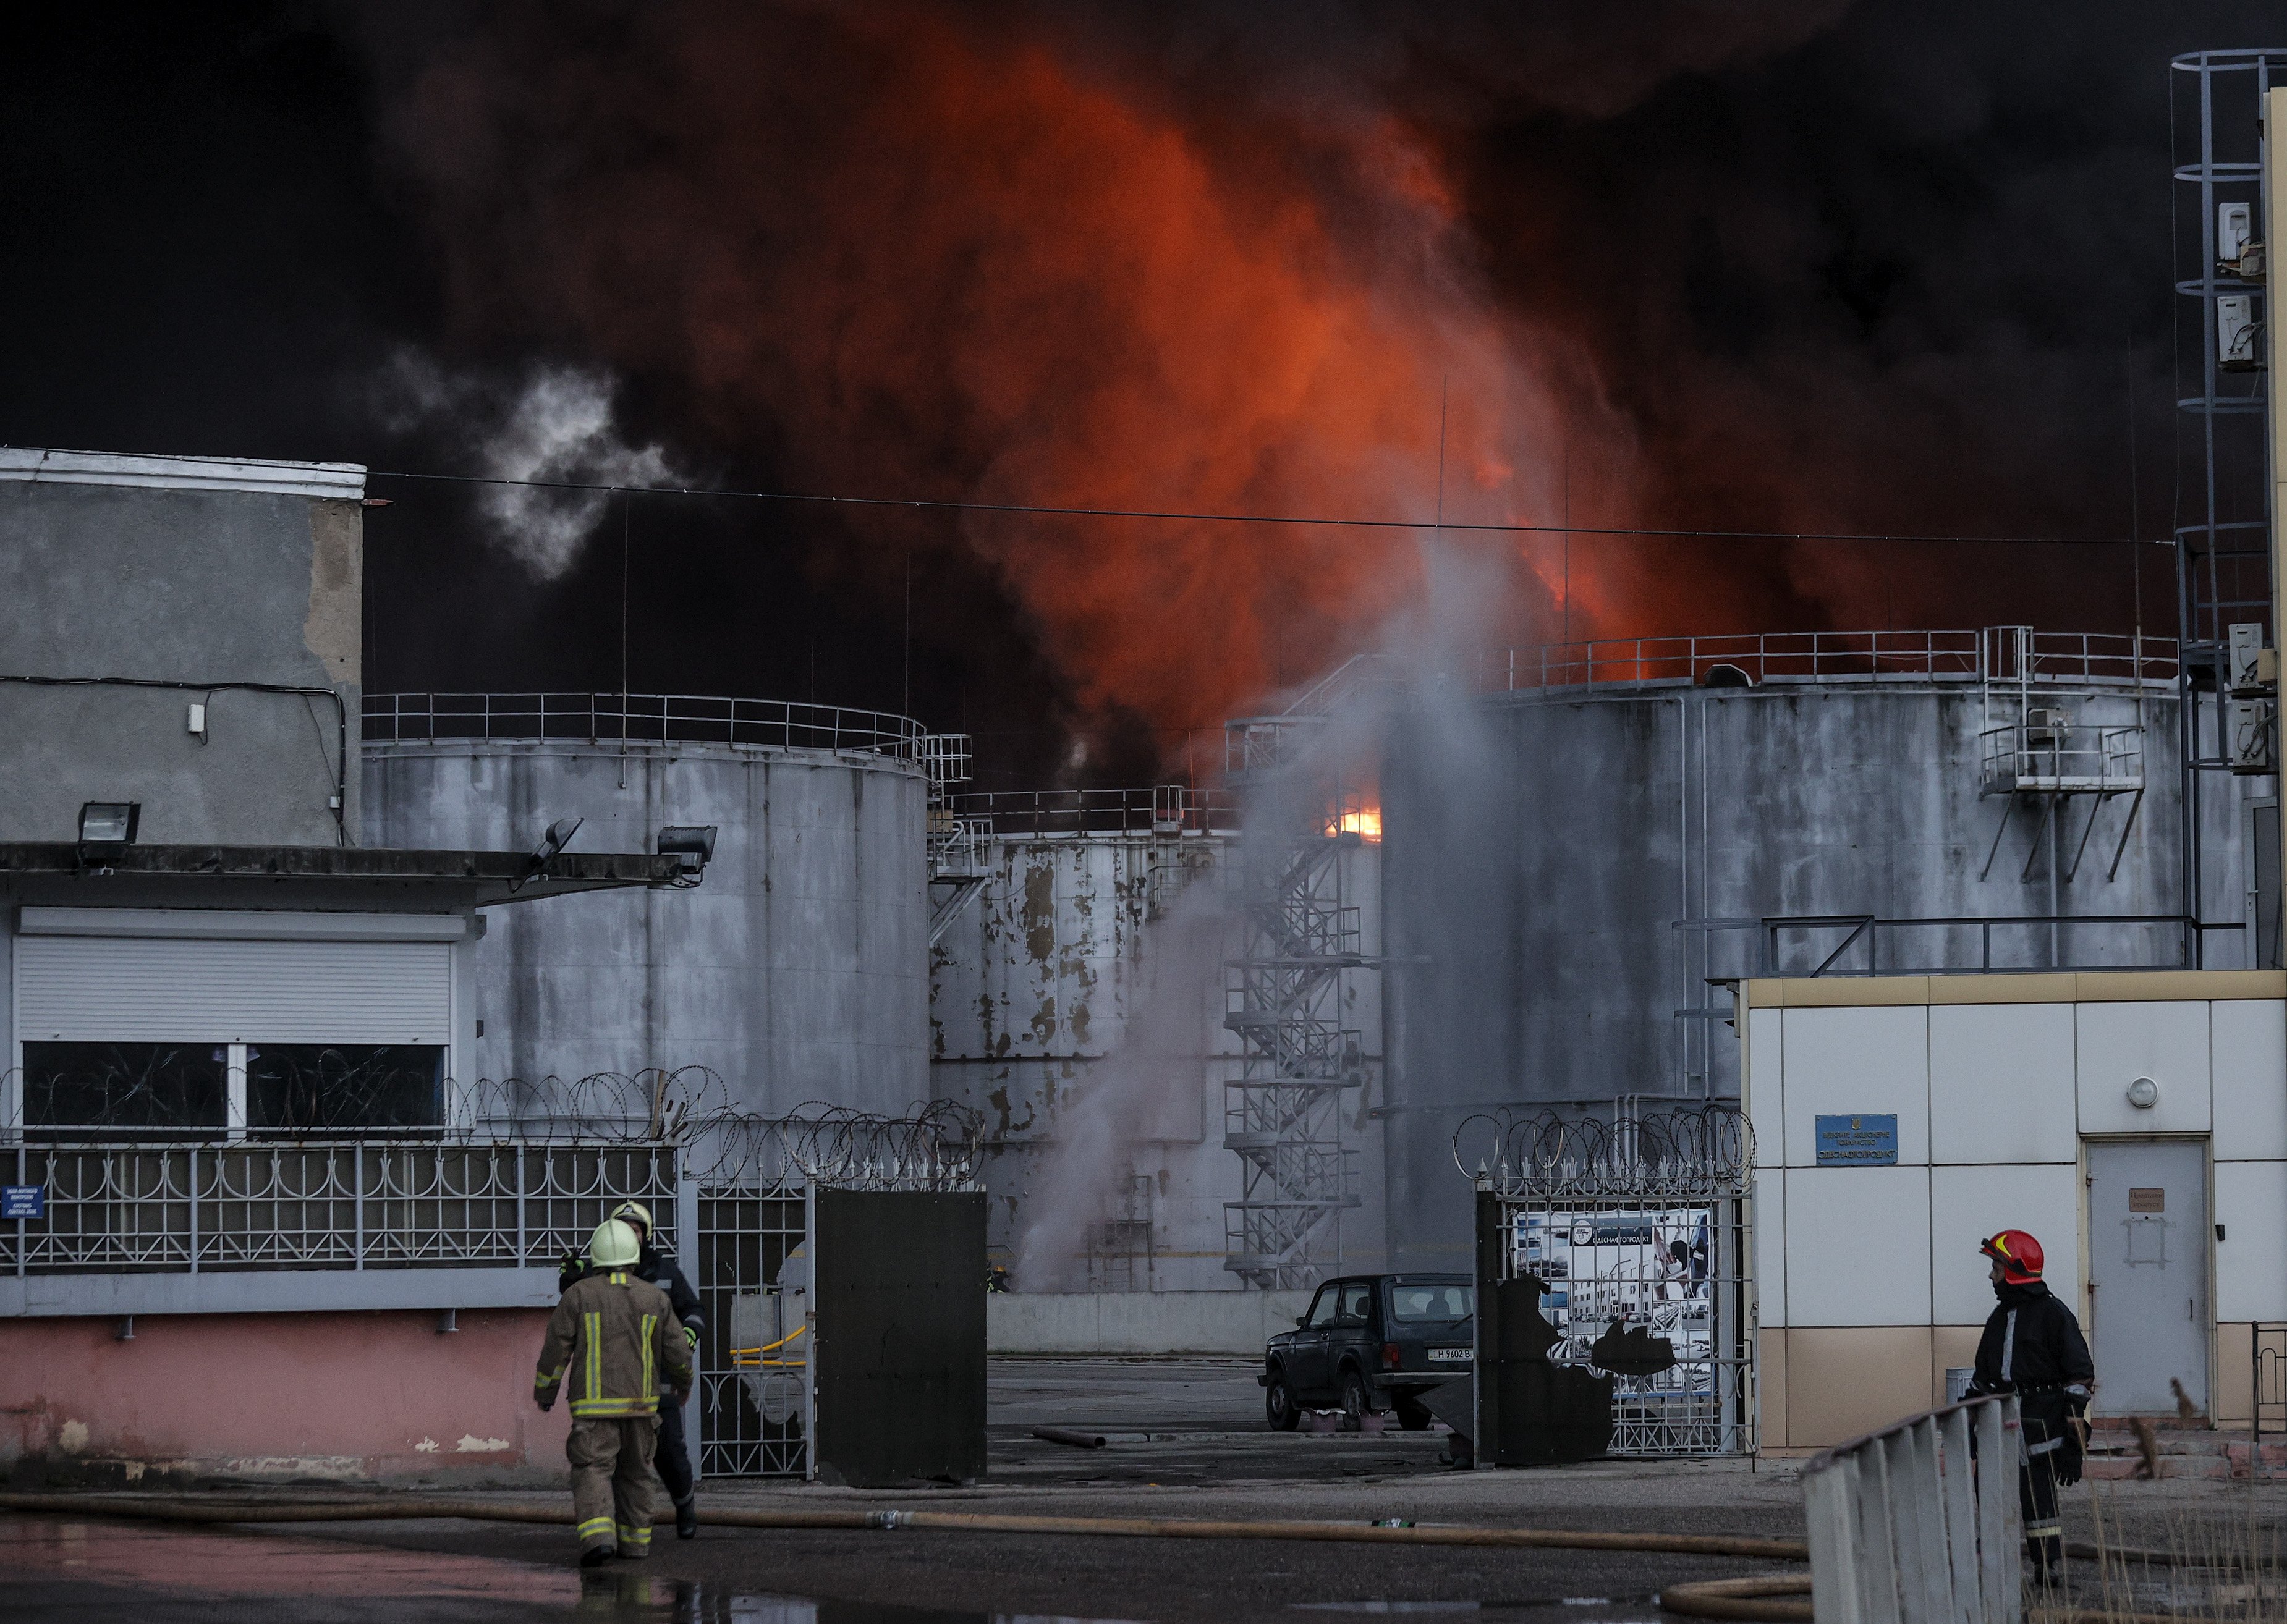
[
  {"x": 23, "y": 1200},
  {"x": 1858, "y": 1141}
]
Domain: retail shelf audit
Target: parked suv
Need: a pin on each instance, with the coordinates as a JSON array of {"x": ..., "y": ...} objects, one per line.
[{"x": 1371, "y": 1342}]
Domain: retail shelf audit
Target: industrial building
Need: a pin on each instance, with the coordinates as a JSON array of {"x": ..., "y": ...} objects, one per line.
[{"x": 248, "y": 1171}]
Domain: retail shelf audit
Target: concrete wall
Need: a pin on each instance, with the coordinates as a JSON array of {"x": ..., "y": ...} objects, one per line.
[
  {"x": 1139, "y": 1323},
  {"x": 202, "y": 586},
  {"x": 1099, "y": 962},
  {"x": 1868, "y": 1279},
  {"x": 798, "y": 970},
  {"x": 1540, "y": 860},
  {"x": 281, "y": 1397}
]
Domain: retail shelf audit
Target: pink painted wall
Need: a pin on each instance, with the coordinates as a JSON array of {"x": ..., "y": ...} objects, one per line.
[{"x": 342, "y": 1396}]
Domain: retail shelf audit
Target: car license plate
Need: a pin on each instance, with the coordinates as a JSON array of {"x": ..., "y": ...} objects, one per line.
[{"x": 1449, "y": 1356}]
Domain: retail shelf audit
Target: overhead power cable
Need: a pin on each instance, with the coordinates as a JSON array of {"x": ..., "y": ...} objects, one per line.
[{"x": 1297, "y": 520}]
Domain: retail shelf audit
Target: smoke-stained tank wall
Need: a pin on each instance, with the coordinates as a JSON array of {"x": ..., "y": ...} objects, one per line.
[
  {"x": 1039, "y": 991},
  {"x": 798, "y": 970},
  {"x": 1557, "y": 866}
]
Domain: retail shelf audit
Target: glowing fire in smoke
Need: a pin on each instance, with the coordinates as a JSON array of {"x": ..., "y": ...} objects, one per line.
[
  {"x": 1365, "y": 824},
  {"x": 929, "y": 249}
]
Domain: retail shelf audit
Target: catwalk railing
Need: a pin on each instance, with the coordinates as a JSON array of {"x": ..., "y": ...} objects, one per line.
[
  {"x": 1162, "y": 809},
  {"x": 1960, "y": 656},
  {"x": 642, "y": 719}
]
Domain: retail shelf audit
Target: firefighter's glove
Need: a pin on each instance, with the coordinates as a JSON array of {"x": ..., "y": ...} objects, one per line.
[{"x": 691, "y": 1337}]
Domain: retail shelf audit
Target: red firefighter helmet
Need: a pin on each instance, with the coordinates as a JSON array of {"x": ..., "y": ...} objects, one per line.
[{"x": 2019, "y": 1255}]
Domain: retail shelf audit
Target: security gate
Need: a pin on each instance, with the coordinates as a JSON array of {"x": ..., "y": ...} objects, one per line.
[
  {"x": 751, "y": 1412},
  {"x": 1639, "y": 1231},
  {"x": 760, "y": 1183}
]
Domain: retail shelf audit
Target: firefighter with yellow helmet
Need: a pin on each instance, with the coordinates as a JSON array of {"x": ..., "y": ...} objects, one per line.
[
  {"x": 673, "y": 1459},
  {"x": 615, "y": 1338}
]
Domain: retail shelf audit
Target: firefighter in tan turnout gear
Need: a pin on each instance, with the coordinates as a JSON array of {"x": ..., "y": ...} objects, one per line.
[{"x": 613, "y": 1340}]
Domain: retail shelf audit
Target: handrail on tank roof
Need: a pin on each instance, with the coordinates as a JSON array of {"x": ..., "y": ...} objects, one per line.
[
  {"x": 1163, "y": 809},
  {"x": 641, "y": 719},
  {"x": 1953, "y": 656}
]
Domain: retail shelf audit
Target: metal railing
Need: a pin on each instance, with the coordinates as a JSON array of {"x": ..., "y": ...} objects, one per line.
[
  {"x": 2016, "y": 757},
  {"x": 2268, "y": 1406},
  {"x": 1164, "y": 810},
  {"x": 644, "y": 719},
  {"x": 1906, "y": 1528},
  {"x": 208, "y": 1209},
  {"x": 1827, "y": 657},
  {"x": 1870, "y": 935}
]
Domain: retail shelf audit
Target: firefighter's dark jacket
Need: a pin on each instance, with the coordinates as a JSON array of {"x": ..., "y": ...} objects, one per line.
[
  {"x": 657, "y": 1268},
  {"x": 2033, "y": 1347},
  {"x": 612, "y": 1340}
]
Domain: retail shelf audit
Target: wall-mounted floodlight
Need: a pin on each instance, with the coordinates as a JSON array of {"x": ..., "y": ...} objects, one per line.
[
  {"x": 692, "y": 845},
  {"x": 552, "y": 844},
  {"x": 107, "y": 828}
]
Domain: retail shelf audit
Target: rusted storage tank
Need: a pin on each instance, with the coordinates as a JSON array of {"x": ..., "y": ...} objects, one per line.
[{"x": 1078, "y": 1003}]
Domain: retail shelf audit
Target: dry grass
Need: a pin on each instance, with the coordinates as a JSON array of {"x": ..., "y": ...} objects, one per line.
[{"x": 2218, "y": 1561}]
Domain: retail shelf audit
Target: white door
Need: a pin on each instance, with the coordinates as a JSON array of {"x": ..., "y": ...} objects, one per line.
[{"x": 2148, "y": 1242}]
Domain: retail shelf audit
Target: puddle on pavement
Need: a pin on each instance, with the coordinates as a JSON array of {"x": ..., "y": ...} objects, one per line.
[{"x": 103, "y": 1569}]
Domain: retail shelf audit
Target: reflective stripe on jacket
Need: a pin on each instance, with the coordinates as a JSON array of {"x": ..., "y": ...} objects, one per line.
[{"x": 612, "y": 1336}]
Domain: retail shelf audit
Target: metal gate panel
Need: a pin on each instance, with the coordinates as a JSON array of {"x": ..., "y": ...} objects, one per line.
[
  {"x": 1640, "y": 1232},
  {"x": 162, "y": 989},
  {"x": 744, "y": 1240},
  {"x": 899, "y": 1376}
]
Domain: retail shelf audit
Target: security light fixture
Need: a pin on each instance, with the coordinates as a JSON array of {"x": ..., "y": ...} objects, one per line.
[
  {"x": 2144, "y": 1093},
  {"x": 107, "y": 828},
  {"x": 552, "y": 844},
  {"x": 692, "y": 845}
]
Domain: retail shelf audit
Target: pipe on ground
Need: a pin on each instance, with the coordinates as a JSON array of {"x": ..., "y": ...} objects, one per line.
[
  {"x": 394, "y": 1508},
  {"x": 1781, "y": 1598}
]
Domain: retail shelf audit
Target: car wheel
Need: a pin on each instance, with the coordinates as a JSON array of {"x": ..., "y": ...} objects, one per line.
[
  {"x": 1278, "y": 1405},
  {"x": 1414, "y": 1415},
  {"x": 1356, "y": 1403}
]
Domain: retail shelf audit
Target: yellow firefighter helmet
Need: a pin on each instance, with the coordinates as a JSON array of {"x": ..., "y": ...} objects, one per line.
[{"x": 613, "y": 1245}]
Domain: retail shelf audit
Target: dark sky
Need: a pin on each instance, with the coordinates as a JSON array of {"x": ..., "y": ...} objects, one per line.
[{"x": 1883, "y": 267}]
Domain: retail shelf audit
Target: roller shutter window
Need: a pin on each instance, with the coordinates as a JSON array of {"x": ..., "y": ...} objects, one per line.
[
  {"x": 348, "y": 1035},
  {"x": 151, "y": 989}
]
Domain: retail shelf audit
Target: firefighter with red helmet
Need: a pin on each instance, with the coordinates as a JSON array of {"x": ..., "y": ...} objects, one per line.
[{"x": 2033, "y": 1347}]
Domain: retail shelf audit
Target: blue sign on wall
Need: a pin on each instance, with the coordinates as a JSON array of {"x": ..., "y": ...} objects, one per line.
[
  {"x": 1858, "y": 1141},
  {"x": 23, "y": 1200}
]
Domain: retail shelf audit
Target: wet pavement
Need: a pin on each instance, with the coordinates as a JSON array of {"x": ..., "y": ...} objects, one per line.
[
  {"x": 1186, "y": 1438},
  {"x": 68, "y": 1571}
]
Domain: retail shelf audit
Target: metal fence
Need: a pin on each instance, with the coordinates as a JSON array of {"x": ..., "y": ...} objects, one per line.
[
  {"x": 1639, "y": 1228},
  {"x": 644, "y": 719},
  {"x": 1905, "y": 1529},
  {"x": 346, "y": 1204},
  {"x": 1867, "y": 944},
  {"x": 1826, "y": 656}
]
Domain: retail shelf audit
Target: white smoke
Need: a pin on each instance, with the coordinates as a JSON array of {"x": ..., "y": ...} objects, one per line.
[
  {"x": 554, "y": 428},
  {"x": 1132, "y": 1093}
]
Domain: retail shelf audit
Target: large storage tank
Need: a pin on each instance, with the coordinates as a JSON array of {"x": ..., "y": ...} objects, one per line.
[
  {"x": 1078, "y": 1005},
  {"x": 798, "y": 970},
  {"x": 1572, "y": 867}
]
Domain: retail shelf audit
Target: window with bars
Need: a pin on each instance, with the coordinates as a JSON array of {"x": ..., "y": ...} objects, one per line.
[{"x": 230, "y": 1090}]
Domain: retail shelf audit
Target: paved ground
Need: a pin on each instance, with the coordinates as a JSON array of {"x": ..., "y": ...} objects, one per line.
[{"x": 1186, "y": 1441}]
